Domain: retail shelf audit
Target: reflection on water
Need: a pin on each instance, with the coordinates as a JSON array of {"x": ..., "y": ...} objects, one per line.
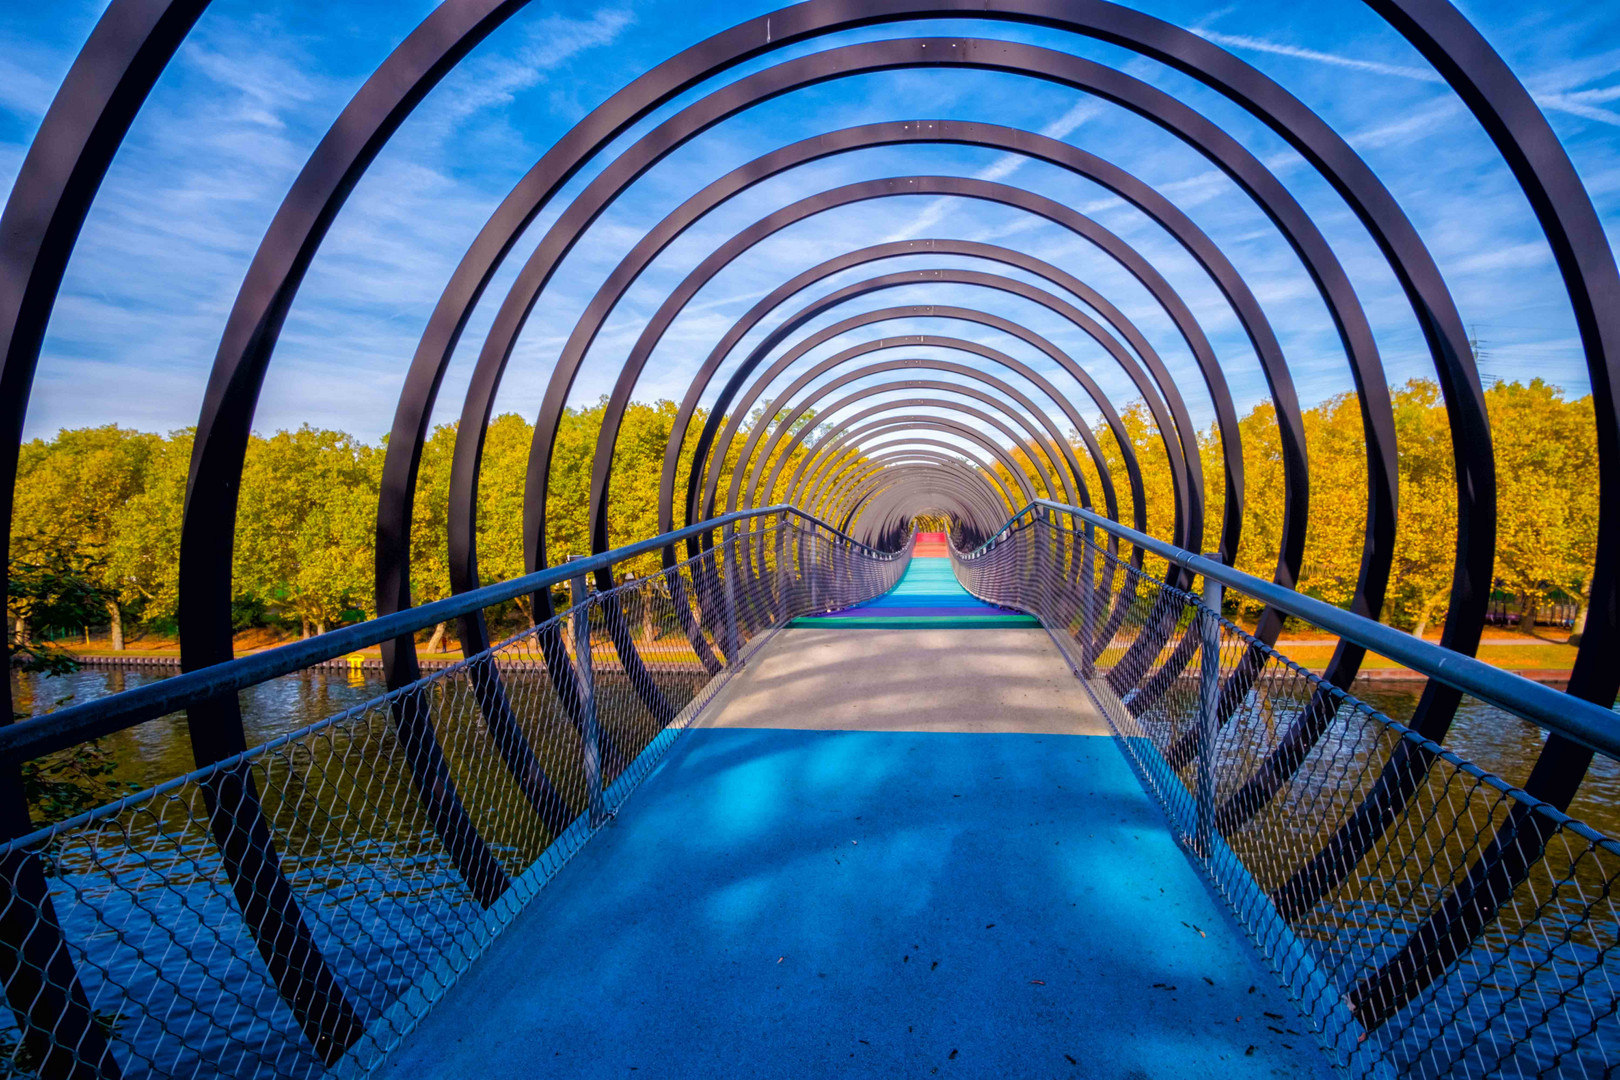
[
  {"x": 1501, "y": 743},
  {"x": 160, "y": 750},
  {"x": 388, "y": 869},
  {"x": 161, "y": 944}
]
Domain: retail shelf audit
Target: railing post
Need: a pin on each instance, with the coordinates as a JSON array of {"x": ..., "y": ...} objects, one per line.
[
  {"x": 782, "y": 569},
  {"x": 1209, "y": 687},
  {"x": 590, "y": 734},
  {"x": 1088, "y": 598},
  {"x": 809, "y": 568},
  {"x": 1038, "y": 569},
  {"x": 728, "y": 567}
]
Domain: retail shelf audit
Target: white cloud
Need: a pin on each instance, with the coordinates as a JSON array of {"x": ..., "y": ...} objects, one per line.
[
  {"x": 1578, "y": 103},
  {"x": 24, "y": 90},
  {"x": 168, "y": 242},
  {"x": 1254, "y": 44}
]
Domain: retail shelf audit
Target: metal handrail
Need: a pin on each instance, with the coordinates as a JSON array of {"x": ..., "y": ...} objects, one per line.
[
  {"x": 29, "y": 739},
  {"x": 1586, "y": 722}
]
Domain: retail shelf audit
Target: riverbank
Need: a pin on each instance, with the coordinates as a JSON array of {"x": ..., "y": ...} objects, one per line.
[
  {"x": 671, "y": 648},
  {"x": 1534, "y": 661},
  {"x": 1537, "y": 658}
]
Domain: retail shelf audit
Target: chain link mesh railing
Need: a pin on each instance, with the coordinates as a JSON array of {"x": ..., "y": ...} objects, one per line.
[
  {"x": 405, "y": 833},
  {"x": 1431, "y": 919}
]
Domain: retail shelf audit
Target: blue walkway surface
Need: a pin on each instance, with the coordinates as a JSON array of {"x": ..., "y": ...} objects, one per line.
[
  {"x": 808, "y": 903},
  {"x": 928, "y": 595}
]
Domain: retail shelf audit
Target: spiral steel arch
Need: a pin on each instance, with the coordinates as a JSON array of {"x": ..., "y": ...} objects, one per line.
[
  {"x": 975, "y": 485},
  {"x": 720, "y": 447},
  {"x": 1110, "y": 314},
  {"x": 785, "y": 426},
  {"x": 889, "y": 425},
  {"x": 498, "y": 348},
  {"x": 494, "y": 354},
  {"x": 968, "y": 277},
  {"x": 828, "y": 452},
  {"x": 897, "y": 468},
  {"x": 920, "y": 446},
  {"x": 834, "y": 490},
  {"x": 135, "y": 38}
]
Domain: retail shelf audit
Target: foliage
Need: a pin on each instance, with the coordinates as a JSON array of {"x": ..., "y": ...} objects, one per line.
[
  {"x": 1426, "y": 529},
  {"x": 1546, "y": 523},
  {"x": 1546, "y": 459},
  {"x": 103, "y": 505},
  {"x": 145, "y": 552},
  {"x": 44, "y": 598},
  {"x": 69, "y": 496},
  {"x": 69, "y": 782},
  {"x": 306, "y": 523}
]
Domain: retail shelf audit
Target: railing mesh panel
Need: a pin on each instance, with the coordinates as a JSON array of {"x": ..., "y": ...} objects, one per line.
[
  {"x": 1431, "y": 920},
  {"x": 398, "y": 895}
]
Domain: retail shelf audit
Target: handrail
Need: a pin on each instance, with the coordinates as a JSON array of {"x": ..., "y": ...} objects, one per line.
[
  {"x": 1586, "y": 722},
  {"x": 28, "y": 739}
]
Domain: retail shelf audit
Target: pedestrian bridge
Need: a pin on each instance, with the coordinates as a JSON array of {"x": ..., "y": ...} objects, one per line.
[
  {"x": 892, "y": 843},
  {"x": 798, "y": 804},
  {"x": 794, "y": 785}
]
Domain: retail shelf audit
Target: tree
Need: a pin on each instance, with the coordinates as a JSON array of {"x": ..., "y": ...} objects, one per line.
[
  {"x": 1338, "y": 506},
  {"x": 306, "y": 522},
  {"x": 430, "y": 525},
  {"x": 69, "y": 492},
  {"x": 144, "y": 556},
  {"x": 1546, "y": 491},
  {"x": 42, "y": 598},
  {"x": 1583, "y": 509},
  {"x": 1426, "y": 525},
  {"x": 103, "y": 505},
  {"x": 500, "y": 504}
]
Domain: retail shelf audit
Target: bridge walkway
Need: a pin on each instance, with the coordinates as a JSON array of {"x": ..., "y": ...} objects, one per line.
[
  {"x": 927, "y": 596},
  {"x": 896, "y": 852}
]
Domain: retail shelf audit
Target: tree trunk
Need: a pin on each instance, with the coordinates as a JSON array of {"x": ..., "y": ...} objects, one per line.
[
  {"x": 320, "y": 627},
  {"x": 1579, "y": 627},
  {"x": 1427, "y": 613},
  {"x": 303, "y": 626},
  {"x": 1527, "y": 614},
  {"x": 117, "y": 617},
  {"x": 436, "y": 642}
]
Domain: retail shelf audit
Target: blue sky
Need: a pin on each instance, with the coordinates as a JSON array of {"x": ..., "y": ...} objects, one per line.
[{"x": 259, "y": 81}]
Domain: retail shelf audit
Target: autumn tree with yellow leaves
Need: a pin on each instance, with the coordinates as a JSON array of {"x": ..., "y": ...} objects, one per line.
[{"x": 106, "y": 503}]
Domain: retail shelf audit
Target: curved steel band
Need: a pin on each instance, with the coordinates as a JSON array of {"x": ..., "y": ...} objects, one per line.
[{"x": 133, "y": 43}]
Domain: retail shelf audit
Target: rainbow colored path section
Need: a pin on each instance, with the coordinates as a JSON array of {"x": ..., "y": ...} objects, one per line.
[{"x": 927, "y": 596}]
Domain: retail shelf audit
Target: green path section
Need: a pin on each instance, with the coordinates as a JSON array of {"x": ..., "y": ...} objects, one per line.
[{"x": 927, "y": 596}]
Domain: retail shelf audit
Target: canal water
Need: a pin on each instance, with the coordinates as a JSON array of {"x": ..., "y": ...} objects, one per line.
[
  {"x": 158, "y": 751},
  {"x": 161, "y": 749}
]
